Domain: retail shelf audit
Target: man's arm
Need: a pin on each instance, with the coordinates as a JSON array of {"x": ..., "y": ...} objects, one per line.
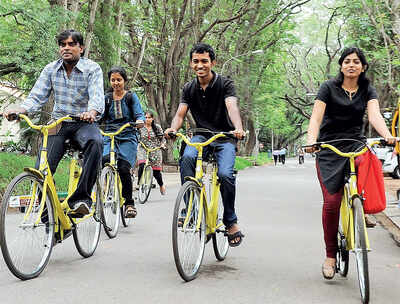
[
  {"x": 177, "y": 121},
  {"x": 96, "y": 95},
  {"x": 234, "y": 115}
]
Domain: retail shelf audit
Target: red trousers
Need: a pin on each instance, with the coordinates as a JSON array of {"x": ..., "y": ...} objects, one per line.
[{"x": 330, "y": 217}]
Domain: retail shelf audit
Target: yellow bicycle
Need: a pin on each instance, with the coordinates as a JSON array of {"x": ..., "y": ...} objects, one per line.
[
  {"x": 113, "y": 202},
  {"x": 198, "y": 215},
  {"x": 352, "y": 233},
  {"x": 33, "y": 219},
  {"x": 146, "y": 180}
]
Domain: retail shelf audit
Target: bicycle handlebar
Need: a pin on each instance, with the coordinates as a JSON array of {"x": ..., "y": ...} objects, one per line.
[
  {"x": 111, "y": 134},
  {"x": 327, "y": 145}
]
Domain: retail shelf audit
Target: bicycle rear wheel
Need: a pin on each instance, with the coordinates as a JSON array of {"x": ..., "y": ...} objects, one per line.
[
  {"x": 361, "y": 250},
  {"x": 111, "y": 210},
  {"x": 26, "y": 245},
  {"x": 87, "y": 231},
  {"x": 342, "y": 255},
  {"x": 220, "y": 241},
  {"x": 145, "y": 184},
  {"x": 188, "y": 241}
]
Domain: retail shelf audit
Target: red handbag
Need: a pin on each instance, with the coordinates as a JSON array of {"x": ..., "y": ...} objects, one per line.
[{"x": 370, "y": 183}]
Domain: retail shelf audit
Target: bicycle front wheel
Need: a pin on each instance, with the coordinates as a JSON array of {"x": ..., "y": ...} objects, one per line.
[
  {"x": 26, "y": 232},
  {"x": 145, "y": 184},
  {"x": 111, "y": 209},
  {"x": 188, "y": 231},
  {"x": 361, "y": 250},
  {"x": 220, "y": 241},
  {"x": 87, "y": 231}
]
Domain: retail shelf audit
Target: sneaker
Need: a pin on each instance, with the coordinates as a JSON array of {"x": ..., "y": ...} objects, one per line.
[{"x": 81, "y": 208}]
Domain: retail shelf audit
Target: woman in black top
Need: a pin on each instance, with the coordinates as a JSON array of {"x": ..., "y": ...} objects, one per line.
[{"x": 338, "y": 113}]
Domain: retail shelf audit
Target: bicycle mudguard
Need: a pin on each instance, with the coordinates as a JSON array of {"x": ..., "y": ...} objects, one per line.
[{"x": 35, "y": 172}]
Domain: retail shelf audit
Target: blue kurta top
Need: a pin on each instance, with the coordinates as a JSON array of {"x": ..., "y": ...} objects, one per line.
[{"x": 116, "y": 114}]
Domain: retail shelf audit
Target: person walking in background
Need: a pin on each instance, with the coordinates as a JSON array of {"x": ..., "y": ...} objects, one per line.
[
  {"x": 301, "y": 156},
  {"x": 152, "y": 136},
  {"x": 275, "y": 154},
  {"x": 122, "y": 106},
  {"x": 282, "y": 154}
]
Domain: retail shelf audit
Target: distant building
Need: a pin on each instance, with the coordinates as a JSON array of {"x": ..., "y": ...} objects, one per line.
[{"x": 9, "y": 131}]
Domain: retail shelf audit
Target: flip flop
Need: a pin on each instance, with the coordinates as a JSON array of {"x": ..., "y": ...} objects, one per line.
[
  {"x": 232, "y": 237},
  {"x": 130, "y": 211}
]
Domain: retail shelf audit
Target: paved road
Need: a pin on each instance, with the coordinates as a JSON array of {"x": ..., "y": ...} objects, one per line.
[{"x": 279, "y": 261}]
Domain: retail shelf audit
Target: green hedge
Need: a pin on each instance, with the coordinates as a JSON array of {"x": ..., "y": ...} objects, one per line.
[{"x": 12, "y": 164}]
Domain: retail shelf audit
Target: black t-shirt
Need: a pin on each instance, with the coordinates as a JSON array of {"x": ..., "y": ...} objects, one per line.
[
  {"x": 208, "y": 106},
  {"x": 343, "y": 118}
]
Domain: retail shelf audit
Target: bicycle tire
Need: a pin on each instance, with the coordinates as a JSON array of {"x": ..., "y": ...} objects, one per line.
[
  {"x": 220, "y": 241},
  {"x": 87, "y": 232},
  {"x": 145, "y": 184},
  {"x": 110, "y": 214},
  {"x": 342, "y": 255},
  {"x": 35, "y": 255},
  {"x": 361, "y": 250},
  {"x": 188, "y": 260}
]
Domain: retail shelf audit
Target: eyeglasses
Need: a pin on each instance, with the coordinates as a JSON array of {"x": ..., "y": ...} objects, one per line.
[{"x": 148, "y": 117}]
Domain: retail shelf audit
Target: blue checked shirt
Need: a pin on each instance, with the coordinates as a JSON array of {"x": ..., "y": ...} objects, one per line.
[{"x": 82, "y": 91}]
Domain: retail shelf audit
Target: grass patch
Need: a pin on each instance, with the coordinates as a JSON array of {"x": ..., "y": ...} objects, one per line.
[
  {"x": 12, "y": 164},
  {"x": 249, "y": 161}
]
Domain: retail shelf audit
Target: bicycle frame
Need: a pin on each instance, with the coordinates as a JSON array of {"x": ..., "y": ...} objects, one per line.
[
  {"x": 212, "y": 205},
  {"x": 350, "y": 192},
  {"x": 396, "y": 123},
  {"x": 44, "y": 173},
  {"x": 113, "y": 160}
]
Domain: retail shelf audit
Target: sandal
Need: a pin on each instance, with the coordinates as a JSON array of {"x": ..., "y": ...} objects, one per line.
[
  {"x": 130, "y": 211},
  {"x": 232, "y": 238},
  {"x": 328, "y": 271}
]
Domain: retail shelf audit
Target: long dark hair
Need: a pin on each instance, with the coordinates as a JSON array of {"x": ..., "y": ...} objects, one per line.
[
  {"x": 153, "y": 124},
  {"x": 362, "y": 79},
  {"x": 119, "y": 70}
]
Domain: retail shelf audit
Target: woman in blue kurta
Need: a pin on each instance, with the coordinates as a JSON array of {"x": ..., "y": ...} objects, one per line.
[{"x": 122, "y": 106}]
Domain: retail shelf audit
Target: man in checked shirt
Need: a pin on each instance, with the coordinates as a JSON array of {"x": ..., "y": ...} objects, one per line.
[{"x": 77, "y": 86}]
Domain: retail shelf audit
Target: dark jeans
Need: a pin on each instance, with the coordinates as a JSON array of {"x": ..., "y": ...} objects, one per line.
[
  {"x": 156, "y": 173},
  {"x": 87, "y": 136},
  {"x": 225, "y": 155},
  {"x": 124, "y": 171}
]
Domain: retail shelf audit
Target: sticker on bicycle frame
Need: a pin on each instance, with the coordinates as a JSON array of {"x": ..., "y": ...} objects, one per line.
[{"x": 21, "y": 201}]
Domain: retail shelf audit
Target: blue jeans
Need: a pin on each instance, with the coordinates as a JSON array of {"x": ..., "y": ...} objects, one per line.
[{"x": 225, "y": 155}]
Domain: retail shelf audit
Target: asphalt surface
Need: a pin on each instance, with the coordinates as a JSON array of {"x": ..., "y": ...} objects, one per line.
[{"x": 279, "y": 261}]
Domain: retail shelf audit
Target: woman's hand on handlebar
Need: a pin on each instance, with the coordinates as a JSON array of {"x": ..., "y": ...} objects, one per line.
[
  {"x": 311, "y": 148},
  {"x": 139, "y": 123},
  {"x": 391, "y": 140}
]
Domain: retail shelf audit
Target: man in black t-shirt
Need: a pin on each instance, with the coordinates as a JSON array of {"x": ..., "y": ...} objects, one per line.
[{"x": 212, "y": 101}]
